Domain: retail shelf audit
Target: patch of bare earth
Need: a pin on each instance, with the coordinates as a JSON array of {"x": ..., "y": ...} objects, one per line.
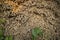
[{"x": 33, "y": 13}]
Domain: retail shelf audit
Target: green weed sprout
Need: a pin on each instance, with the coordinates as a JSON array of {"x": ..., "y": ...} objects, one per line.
[
  {"x": 2, "y": 37},
  {"x": 9, "y": 38},
  {"x": 35, "y": 32}
]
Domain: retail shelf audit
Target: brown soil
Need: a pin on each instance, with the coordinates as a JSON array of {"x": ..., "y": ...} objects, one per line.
[{"x": 33, "y": 13}]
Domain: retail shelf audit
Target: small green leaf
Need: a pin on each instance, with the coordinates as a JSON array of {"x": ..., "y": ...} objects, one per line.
[
  {"x": 1, "y": 33},
  {"x": 7, "y": 38},
  {"x": 35, "y": 32},
  {"x": 10, "y": 38},
  {"x": 33, "y": 38}
]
